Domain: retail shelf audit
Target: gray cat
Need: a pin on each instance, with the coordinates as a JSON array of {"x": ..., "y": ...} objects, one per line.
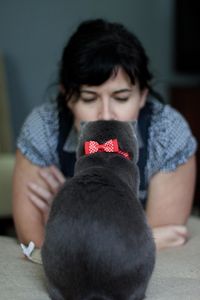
[{"x": 98, "y": 245}]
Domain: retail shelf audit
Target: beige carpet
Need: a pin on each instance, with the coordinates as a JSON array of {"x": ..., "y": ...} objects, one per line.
[{"x": 176, "y": 276}]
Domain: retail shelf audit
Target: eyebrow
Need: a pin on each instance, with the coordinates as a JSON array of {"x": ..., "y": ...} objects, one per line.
[
  {"x": 89, "y": 92},
  {"x": 115, "y": 92},
  {"x": 122, "y": 91}
]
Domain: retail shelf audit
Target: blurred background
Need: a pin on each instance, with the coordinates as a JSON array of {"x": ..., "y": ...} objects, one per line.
[{"x": 32, "y": 36}]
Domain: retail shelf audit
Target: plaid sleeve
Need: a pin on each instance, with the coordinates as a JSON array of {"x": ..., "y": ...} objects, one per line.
[
  {"x": 38, "y": 137},
  {"x": 171, "y": 141}
]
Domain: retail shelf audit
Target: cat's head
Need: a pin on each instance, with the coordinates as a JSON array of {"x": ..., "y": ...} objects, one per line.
[{"x": 102, "y": 131}]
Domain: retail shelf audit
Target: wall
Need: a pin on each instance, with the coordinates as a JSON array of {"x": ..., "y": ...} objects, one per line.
[{"x": 33, "y": 32}]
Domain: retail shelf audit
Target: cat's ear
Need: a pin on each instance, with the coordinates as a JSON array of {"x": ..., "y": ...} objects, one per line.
[
  {"x": 134, "y": 127},
  {"x": 81, "y": 139},
  {"x": 134, "y": 124},
  {"x": 82, "y": 125}
]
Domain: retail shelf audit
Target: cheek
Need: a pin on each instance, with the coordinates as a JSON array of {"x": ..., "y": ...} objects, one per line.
[
  {"x": 128, "y": 112},
  {"x": 131, "y": 109},
  {"x": 83, "y": 112}
]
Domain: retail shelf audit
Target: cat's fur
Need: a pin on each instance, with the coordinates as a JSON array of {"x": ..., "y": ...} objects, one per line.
[{"x": 98, "y": 245}]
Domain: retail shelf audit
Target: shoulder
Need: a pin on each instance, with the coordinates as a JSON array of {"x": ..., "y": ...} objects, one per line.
[
  {"x": 166, "y": 120},
  {"x": 46, "y": 110},
  {"x": 42, "y": 119},
  {"x": 39, "y": 134},
  {"x": 171, "y": 142}
]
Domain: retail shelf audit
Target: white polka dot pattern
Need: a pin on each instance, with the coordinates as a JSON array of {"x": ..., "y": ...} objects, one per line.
[{"x": 109, "y": 146}]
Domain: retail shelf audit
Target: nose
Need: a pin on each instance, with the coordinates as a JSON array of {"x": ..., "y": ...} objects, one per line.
[{"x": 106, "y": 110}]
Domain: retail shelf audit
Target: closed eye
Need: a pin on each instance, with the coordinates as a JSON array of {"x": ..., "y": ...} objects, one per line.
[
  {"x": 88, "y": 100},
  {"x": 120, "y": 99},
  {"x": 88, "y": 96},
  {"x": 122, "y": 95}
]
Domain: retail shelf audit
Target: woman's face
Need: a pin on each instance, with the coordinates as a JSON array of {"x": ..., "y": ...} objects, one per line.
[{"x": 116, "y": 99}]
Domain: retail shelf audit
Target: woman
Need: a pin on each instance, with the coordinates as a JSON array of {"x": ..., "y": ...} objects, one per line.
[{"x": 104, "y": 75}]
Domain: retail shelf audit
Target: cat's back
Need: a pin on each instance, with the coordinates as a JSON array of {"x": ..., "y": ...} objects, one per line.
[
  {"x": 99, "y": 229},
  {"x": 101, "y": 205},
  {"x": 97, "y": 192}
]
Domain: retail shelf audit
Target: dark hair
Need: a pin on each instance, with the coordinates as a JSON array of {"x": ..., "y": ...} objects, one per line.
[{"x": 95, "y": 51}]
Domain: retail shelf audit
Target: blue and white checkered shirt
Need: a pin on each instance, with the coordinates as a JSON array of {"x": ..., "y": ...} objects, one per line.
[{"x": 170, "y": 143}]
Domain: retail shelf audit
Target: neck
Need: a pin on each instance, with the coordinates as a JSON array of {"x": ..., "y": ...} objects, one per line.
[{"x": 123, "y": 168}]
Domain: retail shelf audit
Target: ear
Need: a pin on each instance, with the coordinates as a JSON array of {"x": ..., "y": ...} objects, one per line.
[
  {"x": 71, "y": 101},
  {"x": 62, "y": 89},
  {"x": 81, "y": 140},
  {"x": 133, "y": 124},
  {"x": 144, "y": 94},
  {"x": 82, "y": 125},
  {"x": 134, "y": 127},
  {"x": 69, "y": 104}
]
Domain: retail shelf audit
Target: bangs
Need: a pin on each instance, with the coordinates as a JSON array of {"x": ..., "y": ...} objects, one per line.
[
  {"x": 96, "y": 51},
  {"x": 104, "y": 63}
]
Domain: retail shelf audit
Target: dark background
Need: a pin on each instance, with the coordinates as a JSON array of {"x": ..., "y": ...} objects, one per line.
[
  {"x": 186, "y": 97},
  {"x": 187, "y": 36}
]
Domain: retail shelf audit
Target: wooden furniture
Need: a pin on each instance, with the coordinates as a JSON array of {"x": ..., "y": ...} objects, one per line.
[
  {"x": 5, "y": 123},
  {"x": 187, "y": 101}
]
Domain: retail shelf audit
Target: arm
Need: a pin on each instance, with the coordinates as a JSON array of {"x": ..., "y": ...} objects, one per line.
[
  {"x": 33, "y": 191},
  {"x": 169, "y": 203},
  {"x": 27, "y": 217}
]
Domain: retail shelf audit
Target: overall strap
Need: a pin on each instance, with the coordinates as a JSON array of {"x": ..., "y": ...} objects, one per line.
[
  {"x": 66, "y": 159},
  {"x": 144, "y": 123}
]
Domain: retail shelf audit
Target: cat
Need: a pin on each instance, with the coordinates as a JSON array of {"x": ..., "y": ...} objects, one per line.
[{"x": 98, "y": 245}]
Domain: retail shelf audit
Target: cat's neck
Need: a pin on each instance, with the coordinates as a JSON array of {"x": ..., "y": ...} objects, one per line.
[{"x": 121, "y": 167}]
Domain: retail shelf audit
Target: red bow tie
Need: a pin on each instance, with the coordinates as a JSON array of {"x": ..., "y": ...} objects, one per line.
[{"x": 109, "y": 146}]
